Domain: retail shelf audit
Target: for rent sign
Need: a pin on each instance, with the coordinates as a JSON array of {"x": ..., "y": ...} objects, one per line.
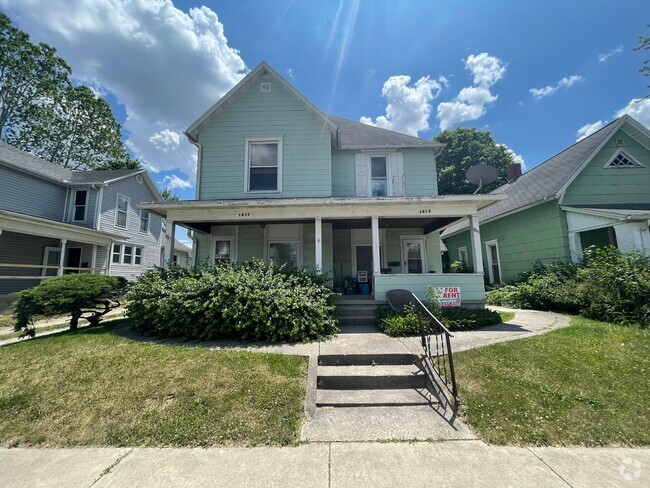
[{"x": 449, "y": 296}]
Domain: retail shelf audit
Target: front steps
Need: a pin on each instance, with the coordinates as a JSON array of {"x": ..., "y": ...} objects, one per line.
[{"x": 358, "y": 309}]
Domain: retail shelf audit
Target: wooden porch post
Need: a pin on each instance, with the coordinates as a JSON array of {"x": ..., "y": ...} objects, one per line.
[
  {"x": 59, "y": 272},
  {"x": 319, "y": 244},
  {"x": 169, "y": 250},
  {"x": 376, "y": 259},
  {"x": 475, "y": 237}
]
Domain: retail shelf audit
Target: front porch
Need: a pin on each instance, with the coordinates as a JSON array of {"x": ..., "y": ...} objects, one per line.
[{"x": 379, "y": 243}]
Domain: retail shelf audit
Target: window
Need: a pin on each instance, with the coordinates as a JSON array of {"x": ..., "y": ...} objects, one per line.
[
  {"x": 263, "y": 161},
  {"x": 138, "y": 256},
  {"x": 144, "y": 222},
  {"x": 378, "y": 174},
  {"x": 462, "y": 255},
  {"x": 79, "y": 212},
  {"x": 494, "y": 266},
  {"x": 223, "y": 250},
  {"x": 284, "y": 253},
  {"x": 122, "y": 211},
  {"x": 127, "y": 255},
  {"x": 623, "y": 160},
  {"x": 117, "y": 252}
]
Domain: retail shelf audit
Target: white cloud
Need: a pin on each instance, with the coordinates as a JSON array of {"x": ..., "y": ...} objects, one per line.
[
  {"x": 604, "y": 57},
  {"x": 165, "y": 66},
  {"x": 588, "y": 129},
  {"x": 565, "y": 82},
  {"x": 175, "y": 182},
  {"x": 639, "y": 109},
  {"x": 291, "y": 73},
  {"x": 517, "y": 158},
  {"x": 408, "y": 108},
  {"x": 472, "y": 101}
]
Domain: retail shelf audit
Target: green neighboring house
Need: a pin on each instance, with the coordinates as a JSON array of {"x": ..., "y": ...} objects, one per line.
[
  {"x": 279, "y": 180},
  {"x": 596, "y": 192}
]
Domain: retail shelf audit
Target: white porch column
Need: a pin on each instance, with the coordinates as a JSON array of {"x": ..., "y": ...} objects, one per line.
[
  {"x": 319, "y": 244},
  {"x": 93, "y": 259},
  {"x": 475, "y": 237},
  {"x": 376, "y": 259},
  {"x": 59, "y": 272},
  {"x": 575, "y": 246},
  {"x": 169, "y": 246},
  {"x": 109, "y": 259}
]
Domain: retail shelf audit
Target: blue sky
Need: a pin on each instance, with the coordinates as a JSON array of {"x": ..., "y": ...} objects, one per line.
[{"x": 533, "y": 73}]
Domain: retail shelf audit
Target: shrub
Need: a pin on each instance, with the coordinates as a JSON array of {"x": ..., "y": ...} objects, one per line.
[
  {"x": 69, "y": 295},
  {"x": 249, "y": 301}
]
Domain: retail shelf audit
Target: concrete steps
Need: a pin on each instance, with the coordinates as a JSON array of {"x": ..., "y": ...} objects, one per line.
[
  {"x": 358, "y": 310},
  {"x": 373, "y": 398}
]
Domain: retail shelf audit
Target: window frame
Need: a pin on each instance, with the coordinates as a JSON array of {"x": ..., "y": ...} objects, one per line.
[
  {"x": 146, "y": 231},
  {"x": 463, "y": 250},
  {"x": 635, "y": 162},
  {"x": 136, "y": 252},
  {"x": 285, "y": 241},
  {"x": 490, "y": 263},
  {"x": 117, "y": 211},
  {"x": 118, "y": 253},
  {"x": 247, "y": 166},
  {"x": 370, "y": 177},
  {"x": 75, "y": 206},
  {"x": 137, "y": 255}
]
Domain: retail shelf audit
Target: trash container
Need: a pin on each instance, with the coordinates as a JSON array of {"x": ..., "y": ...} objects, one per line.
[{"x": 364, "y": 289}]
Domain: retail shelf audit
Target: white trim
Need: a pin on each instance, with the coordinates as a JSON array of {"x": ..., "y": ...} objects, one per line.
[
  {"x": 636, "y": 163},
  {"x": 488, "y": 244},
  {"x": 93, "y": 258},
  {"x": 232, "y": 238},
  {"x": 128, "y": 206},
  {"x": 74, "y": 205},
  {"x": 403, "y": 239},
  {"x": 98, "y": 207},
  {"x": 247, "y": 166},
  {"x": 389, "y": 186},
  {"x": 46, "y": 251}
]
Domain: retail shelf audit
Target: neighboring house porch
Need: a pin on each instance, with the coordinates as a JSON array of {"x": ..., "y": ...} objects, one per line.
[{"x": 391, "y": 242}]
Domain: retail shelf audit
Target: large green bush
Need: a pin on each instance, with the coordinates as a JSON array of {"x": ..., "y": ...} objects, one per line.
[
  {"x": 69, "y": 294},
  {"x": 249, "y": 301},
  {"x": 606, "y": 285},
  {"x": 407, "y": 323}
]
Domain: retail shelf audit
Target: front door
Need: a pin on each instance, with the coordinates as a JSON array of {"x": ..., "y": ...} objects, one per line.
[
  {"x": 74, "y": 259},
  {"x": 51, "y": 257},
  {"x": 413, "y": 256}
]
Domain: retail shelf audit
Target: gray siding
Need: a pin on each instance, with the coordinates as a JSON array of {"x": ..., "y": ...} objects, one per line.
[
  {"x": 138, "y": 193},
  {"x": 30, "y": 195}
]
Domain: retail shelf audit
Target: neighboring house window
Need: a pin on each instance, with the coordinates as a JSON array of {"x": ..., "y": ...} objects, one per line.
[
  {"x": 285, "y": 252},
  {"x": 623, "y": 160},
  {"x": 117, "y": 251},
  {"x": 122, "y": 211},
  {"x": 379, "y": 176},
  {"x": 175, "y": 258},
  {"x": 494, "y": 263},
  {"x": 263, "y": 165},
  {"x": 144, "y": 221},
  {"x": 80, "y": 200},
  {"x": 137, "y": 259},
  {"x": 462, "y": 255},
  {"x": 125, "y": 254}
]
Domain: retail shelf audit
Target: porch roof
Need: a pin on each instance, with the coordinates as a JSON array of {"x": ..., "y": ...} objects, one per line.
[
  {"x": 441, "y": 209},
  {"x": 27, "y": 224}
]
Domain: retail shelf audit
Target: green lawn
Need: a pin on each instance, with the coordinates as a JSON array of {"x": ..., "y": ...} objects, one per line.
[
  {"x": 94, "y": 388},
  {"x": 587, "y": 384},
  {"x": 505, "y": 316}
]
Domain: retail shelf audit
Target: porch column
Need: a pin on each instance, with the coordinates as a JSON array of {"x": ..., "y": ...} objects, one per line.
[
  {"x": 319, "y": 244},
  {"x": 59, "y": 272},
  {"x": 575, "y": 246},
  {"x": 93, "y": 259},
  {"x": 475, "y": 237},
  {"x": 169, "y": 249},
  {"x": 376, "y": 260}
]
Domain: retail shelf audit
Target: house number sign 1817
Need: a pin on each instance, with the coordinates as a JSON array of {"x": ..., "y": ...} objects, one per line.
[{"x": 244, "y": 214}]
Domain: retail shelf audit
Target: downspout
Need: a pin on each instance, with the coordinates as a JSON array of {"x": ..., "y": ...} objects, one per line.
[
  {"x": 65, "y": 205},
  {"x": 98, "y": 204}
]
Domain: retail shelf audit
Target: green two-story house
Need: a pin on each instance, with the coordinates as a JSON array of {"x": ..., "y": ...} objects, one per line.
[
  {"x": 279, "y": 180},
  {"x": 596, "y": 192}
]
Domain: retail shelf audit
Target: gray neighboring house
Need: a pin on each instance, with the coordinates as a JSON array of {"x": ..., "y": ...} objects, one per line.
[
  {"x": 182, "y": 254},
  {"x": 55, "y": 221}
]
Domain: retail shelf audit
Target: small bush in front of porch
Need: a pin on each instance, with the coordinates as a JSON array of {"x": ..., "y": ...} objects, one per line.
[
  {"x": 406, "y": 323},
  {"x": 250, "y": 301},
  {"x": 72, "y": 294}
]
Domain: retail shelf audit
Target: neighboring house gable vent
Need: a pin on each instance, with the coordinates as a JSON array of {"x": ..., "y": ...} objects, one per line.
[
  {"x": 139, "y": 179},
  {"x": 265, "y": 87},
  {"x": 620, "y": 142},
  {"x": 623, "y": 160}
]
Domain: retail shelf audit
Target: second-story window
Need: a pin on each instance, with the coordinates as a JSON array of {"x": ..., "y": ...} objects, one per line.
[
  {"x": 122, "y": 211},
  {"x": 263, "y": 165},
  {"x": 80, "y": 200},
  {"x": 379, "y": 176},
  {"x": 144, "y": 221}
]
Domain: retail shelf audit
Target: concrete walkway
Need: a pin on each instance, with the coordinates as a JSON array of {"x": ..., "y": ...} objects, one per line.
[{"x": 449, "y": 464}]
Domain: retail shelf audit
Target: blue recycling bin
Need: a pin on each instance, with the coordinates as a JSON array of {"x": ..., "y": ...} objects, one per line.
[{"x": 364, "y": 289}]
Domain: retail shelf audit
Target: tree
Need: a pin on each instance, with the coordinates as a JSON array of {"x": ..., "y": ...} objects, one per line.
[
  {"x": 466, "y": 148},
  {"x": 168, "y": 195},
  {"x": 70, "y": 295},
  {"x": 76, "y": 129},
  {"x": 28, "y": 72},
  {"x": 43, "y": 113},
  {"x": 644, "y": 45}
]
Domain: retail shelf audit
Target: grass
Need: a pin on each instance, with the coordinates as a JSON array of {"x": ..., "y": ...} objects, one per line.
[
  {"x": 46, "y": 328},
  {"x": 506, "y": 316},
  {"x": 583, "y": 385},
  {"x": 95, "y": 388},
  {"x": 6, "y": 321}
]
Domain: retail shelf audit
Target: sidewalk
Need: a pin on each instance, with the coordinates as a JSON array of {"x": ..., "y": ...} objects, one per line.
[{"x": 449, "y": 464}]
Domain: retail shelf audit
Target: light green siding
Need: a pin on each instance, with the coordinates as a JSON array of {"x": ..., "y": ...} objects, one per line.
[
  {"x": 420, "y": 173},
  {"x": 202, "y": 248},
  {"x": 309, "y": 249},
  {"x": 306, "y": 146},
  {"x": 434, "y": 256},
  {"x": 343, "y": 177},
  {"x": 599, "y": 185},
  {"x": 250, "y": 243},
  {"x": 472, "y": 289},
  {"x": 539, "y": 233}
]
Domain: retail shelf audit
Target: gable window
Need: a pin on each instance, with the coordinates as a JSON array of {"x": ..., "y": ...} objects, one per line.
[
  {"x": 80, "y": 200},
  {"x": 623, "y": 160},
  {"x": 263, "y": 165},
  {"x": 122, "y": 211},
  {"x": 379, "y": 176},
  {"x": 144, "y": 222}
]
